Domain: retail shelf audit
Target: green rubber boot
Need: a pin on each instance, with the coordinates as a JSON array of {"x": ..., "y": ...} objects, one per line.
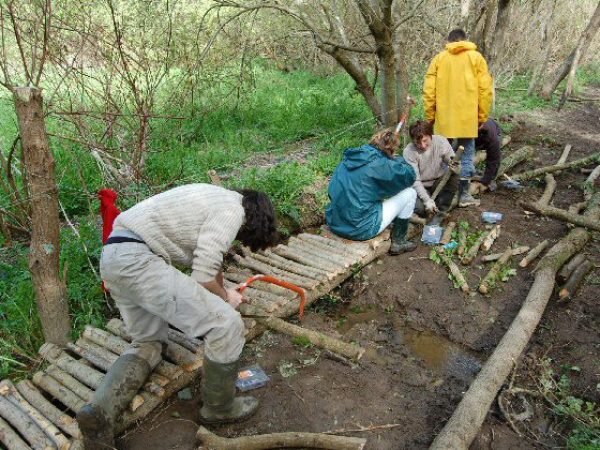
[
  {"x": 219, "y": 403},
  {"x": 97, "y": 419},
  {"x": 399, "y": 242}
]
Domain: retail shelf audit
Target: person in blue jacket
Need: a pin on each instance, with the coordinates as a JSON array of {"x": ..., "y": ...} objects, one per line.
[{"x": 370, "y": 189}]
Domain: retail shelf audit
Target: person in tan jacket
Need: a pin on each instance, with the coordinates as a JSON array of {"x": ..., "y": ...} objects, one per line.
[{"x": 457, "y": 96}]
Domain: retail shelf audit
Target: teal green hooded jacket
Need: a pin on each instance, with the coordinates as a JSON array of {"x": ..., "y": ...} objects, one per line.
[{"x": 365, "y": 177}]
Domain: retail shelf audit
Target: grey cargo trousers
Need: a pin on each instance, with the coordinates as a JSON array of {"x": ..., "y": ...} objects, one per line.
[{"x": 151, "y": 294}]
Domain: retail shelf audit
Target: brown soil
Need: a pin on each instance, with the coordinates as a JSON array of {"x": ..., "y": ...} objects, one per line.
[{"x": 426, "y": 340}]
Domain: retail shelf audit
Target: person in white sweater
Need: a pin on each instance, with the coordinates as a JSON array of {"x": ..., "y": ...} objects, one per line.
[
  {"x": 431, "y": 157},
  {"x": 190, "y": 226}
]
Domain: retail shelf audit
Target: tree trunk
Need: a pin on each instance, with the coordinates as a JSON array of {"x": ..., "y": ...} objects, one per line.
[
  {"x": 502, "y": 22},
  {"x": 483, "y": 25},
  {"x": 584, "y": 42},
  {"x": 50, "y": 289},
  {"x": 545, "y": 49}
]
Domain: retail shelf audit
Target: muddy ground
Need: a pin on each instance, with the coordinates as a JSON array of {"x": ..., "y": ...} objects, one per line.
[{"x": 427, "y": 340}]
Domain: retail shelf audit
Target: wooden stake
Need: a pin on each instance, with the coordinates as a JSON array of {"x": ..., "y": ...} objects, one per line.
[
  {"x": 572, "y": 284},
  {"x": 211, "y": 441},
  {"x": 63, "y": 421},
  {"x": 594, "y": 158},
  {"x": 534, "y": 253},
  {"x": 565, "y": 273},
  {"x": 447, "y": 236},
  {"x": 315, "y": 337},
  {"x": 496, "y": 256},
  {"x": 490, "y": 278},
  {"x": 8, "y": 391},
  {"x": 454, "y": 270},
  {"x": 490, "y": 238},
  {"x": 10, "y": 438}
]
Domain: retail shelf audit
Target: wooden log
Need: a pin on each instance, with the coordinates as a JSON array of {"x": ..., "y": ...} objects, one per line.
[
  {"x": 70, "y": 382},
  {"x": 265, "y": 269},
  {"x": 25, "y": 425},
  {"x": 88, "y": 376},
  {"x": 471, "y": 254},
  {"x": 192, "y": 344},
  {"x": 63, "y": 421},
  {"x": 342, "y": 246},
  {"x": 564, "y": 155},
  {"x": 329, "y": 262},
  {"x": 211, "y": 441},
  {"x": 332, "y": 246},
  {"x": 576, "y": 208},
  {"x": 295, "y": 255},
  {"x": 240, "y": 277},
  {"x": 315, "y": 337},
  {"x": 574, "y": 281},
  {"x": 92, "y": 358},
  {"x": 594, "y": 158},
  {"x": 544, "y": 200},
  {"x": 566, "y": 271},
  {"x": 491, "y": 277},
  {"x": 8, "y": 391},
  {"x": 444, "y": 180},
  {"x": 10, "y": 438},
  {"x": 493, "y": 234},
  {"x": 323, "y": 251},
  {"x": 291, "y": 266},
  {"x": 454, "y": 270},
  {"x": 505, "y": 140},
  {"x": 98, "y": 350},
  {"x": 463, "y": 426},
  {"x": 589, "y": 185},
  {"x": 496, "y": 256},
  {"x": 187, "y": 360},
  {"x": 561, "y": 214},
  {"x": 118, "y": 345},
  {"x": 534, "y": 253},
  {"x": 255, "y": 300},
  {"x": 462, "y": 241},
  {"x": 515, "y": 158},
  {"x": 447, "y": 236}
]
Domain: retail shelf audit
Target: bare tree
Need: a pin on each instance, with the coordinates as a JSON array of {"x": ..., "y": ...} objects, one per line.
[
  {"x": 575, "y": 56},
  {"x": 338, "y": 28},
  {"x": 25, "y": 28}
]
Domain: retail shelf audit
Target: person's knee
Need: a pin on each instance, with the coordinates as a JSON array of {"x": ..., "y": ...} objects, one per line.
[{"x": 225, "y": 341}]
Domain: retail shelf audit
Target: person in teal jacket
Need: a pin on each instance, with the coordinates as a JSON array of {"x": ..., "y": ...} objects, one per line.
[{"x": 370, "y": 189}]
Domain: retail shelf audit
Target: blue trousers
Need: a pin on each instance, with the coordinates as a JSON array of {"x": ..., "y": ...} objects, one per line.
[{"x": 468, "y": 156}]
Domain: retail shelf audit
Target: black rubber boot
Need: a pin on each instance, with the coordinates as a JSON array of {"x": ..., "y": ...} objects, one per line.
[
  {"x": 97, "y": 419},
  {"x": 399, "y": 242},
  {"x": 219, "y": 403}
]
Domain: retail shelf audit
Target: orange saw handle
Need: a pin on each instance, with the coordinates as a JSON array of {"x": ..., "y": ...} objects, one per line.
[{"x": 278, "y": 282}]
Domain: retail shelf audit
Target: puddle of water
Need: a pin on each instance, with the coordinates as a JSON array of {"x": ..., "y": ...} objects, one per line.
[{"x": 355, "y": 318}]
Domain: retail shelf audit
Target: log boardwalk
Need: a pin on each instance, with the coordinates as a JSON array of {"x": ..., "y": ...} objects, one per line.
[{"x": 41, "y": 413}]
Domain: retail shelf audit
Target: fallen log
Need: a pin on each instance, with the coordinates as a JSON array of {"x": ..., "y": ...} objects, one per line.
[
  {"x": 463, "y": 426},
  {"x": 589, "y": 184},
  {"x": 565, "y": 272},
  {"x": 63, "y": 421},
  {"x": 515, "y": 158},
  {"x": 10, "y": 438},
  {"x": 496, "y": 256},
  {"x": 211, "y": 441},
  {"x": 544, "y": 200},
  {"x": 576, "y": 208},
  {"x": 471, "y": 254},
  {"x": 490, "y": 279},
  {"x": 454, "y": 270},
  {"x": 561, "y": 214},
  {"x": 564, "y": 155},
  {"x": 534, "y": 253},
  {"x": 572, "y": 284},
  {"x": 457, "y": 158},
  {"x": 447, "y": 236},
  {"x": 490, "y": 238},
  {"x": 8, "y": 391},
  {"x": 557, "y": 167},
  {"x": 25, "y": 425},
  {"x": 315, "y": 337}
]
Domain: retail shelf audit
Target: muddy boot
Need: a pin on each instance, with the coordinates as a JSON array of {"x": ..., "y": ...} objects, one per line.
[
  {"x": 97, "y": 419},
  {"x": 219, "y": 403},
  {"x": 399, "y": 242},
  {"x": 466, "y": 199}
]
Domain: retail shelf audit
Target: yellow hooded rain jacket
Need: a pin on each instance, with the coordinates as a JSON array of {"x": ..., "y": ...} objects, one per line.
[{"x": 458, "y": 90}]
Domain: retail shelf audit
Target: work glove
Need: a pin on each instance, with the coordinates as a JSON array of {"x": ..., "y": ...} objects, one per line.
[{"x": 430, "y": 206}]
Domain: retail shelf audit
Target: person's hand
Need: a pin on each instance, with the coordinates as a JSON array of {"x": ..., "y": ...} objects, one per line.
[
  {"x": 234, "y": 298},
  {"x": 430, "y": 206}
]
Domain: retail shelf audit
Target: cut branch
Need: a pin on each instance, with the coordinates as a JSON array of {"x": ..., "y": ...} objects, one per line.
[
  {"x": 566, "y": 271},
  {"x": 595, "y": 158},
  {"x": 544, "y": 200},
  {"x": 515, "y": 158},
  {"x": 490, "y": 238},
  {"x": 447, "y": 236},
  {"x": 574, "y": 281},
  {"x": 496, "y": 256},
  {"x": 565, "y": 216},
  {"x": 454, "y": 270},
  {"x": 490, "y": 279},
  {"x": 534, "y": 253}
]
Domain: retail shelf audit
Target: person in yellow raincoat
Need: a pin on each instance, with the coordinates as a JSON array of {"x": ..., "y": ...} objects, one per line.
[{"x": 457, "y": 96}]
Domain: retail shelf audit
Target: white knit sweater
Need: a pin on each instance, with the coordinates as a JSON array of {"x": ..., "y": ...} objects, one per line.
[{"x": 192, "y": 225}]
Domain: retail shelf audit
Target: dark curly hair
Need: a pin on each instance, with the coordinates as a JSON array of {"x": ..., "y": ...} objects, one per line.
[
  {"x": 259, "y": 230},
  {"x": 419, "y": 129}
]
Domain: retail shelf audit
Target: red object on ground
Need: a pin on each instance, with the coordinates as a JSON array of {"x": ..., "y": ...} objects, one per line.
[
  {"x": 108, "y": 211},
  {"x": 273, "y": 280}
]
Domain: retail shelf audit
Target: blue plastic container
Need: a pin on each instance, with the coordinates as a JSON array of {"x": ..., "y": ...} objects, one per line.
[
  {"x": 251, "y": 377},
  {"x": 491, "y": 217}
]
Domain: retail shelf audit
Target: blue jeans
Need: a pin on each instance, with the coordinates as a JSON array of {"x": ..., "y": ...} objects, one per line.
[{"x": 468, "y": 156}]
